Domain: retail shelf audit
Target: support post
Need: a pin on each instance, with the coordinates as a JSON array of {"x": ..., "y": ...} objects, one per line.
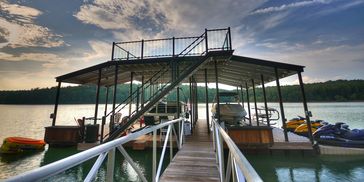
[
  {"x": 307, "y": 112},
  {"x": 106, "y": 100},
  {"x": 56, "y": 104},
  {"x": 110, "y": 166},
  {"x": 207, "y": 104},
  {"x": 255, "y": 103},
  {"x": 242, "y": 98},
  {"x": 191, "y": 106},
  {"x": 248, "y": 101},
  {"x": 217, "y": 92},
  {"x": 143, "y": 95},
  {"x": 265, "y": 100},
  {"x": 130, "y": 92},
  {"x": 114, "y": 97},
  {"x": 178, "y": 104},
  {"x": 281, "y": 106},
  {"x": 97, "y": 97},
  {"x": 137, "y": 99}
]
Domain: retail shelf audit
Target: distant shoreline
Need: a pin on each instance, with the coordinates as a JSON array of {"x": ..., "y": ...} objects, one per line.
[{"x": 330, "y": 91}]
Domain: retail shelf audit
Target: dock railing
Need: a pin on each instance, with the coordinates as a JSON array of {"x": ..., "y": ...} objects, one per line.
[
  {"x": 238, "y": 167},
  {"x": 108, "y": 149},
  {"x": 210, "y": 40}
]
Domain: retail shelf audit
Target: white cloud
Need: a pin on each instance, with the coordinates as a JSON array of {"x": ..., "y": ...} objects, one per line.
[
  {"x": 26, "y": 14},
  {"x": 19, "y": 30},
  {"x": 130, "y": 19},
  {"x": 101, "y": 51},
  {"x": 289, "y": 6}
]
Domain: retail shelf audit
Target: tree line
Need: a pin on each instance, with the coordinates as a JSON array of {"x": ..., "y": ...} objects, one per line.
[{"x": 330, "y": 91}]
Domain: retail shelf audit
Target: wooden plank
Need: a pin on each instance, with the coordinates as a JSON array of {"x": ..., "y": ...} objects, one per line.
[{"x": 196, "y": 160}]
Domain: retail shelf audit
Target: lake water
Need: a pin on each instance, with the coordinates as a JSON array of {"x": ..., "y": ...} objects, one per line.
[{"x": 30, "y": 120}]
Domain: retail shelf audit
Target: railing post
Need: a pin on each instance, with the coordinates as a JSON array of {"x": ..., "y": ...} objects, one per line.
[
  {"x": 206, "y": 41},
  {"x": 173, "y": 46},
  {"x": 110, "y": 166},
  {"x": 228, "y": 169},
  {"x": 230, "y": 44},
  {"x": 112, "y": 51},
  {"x": 171, "y": 145},
  {"x": 154, "y": 167},
  {"x": 142, "y": 50}
]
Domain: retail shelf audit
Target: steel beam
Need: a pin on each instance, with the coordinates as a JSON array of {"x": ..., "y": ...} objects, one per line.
[{"x": 281, "y": 106}]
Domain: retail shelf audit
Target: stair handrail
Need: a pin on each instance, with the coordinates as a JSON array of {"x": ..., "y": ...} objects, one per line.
[{"x": 237, "y": 163}]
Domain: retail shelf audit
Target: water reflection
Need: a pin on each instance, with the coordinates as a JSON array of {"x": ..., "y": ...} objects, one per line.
[{"x": 279, "y": 167}]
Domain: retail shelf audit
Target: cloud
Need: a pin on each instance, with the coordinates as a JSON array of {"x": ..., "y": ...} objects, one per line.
[
  {"x": 115, "y": 14},
  {"x": 21, "y": 13},
  {"x": 154, "y": 18},
  {"x": 18, "y": 29},
  {"x": 101, "y": 51},
  {"x": 289, "y": 6}
]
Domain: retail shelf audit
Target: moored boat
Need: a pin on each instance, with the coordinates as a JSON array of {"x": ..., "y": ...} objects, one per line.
[
  {"x": 231, "y": 110},
  {"x": 20, "y": 144}
]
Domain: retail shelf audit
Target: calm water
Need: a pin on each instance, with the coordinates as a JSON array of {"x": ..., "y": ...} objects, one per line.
[{"x": 30, "y": 120}]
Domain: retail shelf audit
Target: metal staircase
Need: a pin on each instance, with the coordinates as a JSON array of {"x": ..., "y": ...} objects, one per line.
[{"x": 171, "y": 74}]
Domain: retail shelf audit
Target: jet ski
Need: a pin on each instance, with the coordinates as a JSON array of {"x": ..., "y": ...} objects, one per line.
[
  {"x": 292, "y": 124},
  {"x": 339, "y": 134},
  {"x": 303, "y": 128}
]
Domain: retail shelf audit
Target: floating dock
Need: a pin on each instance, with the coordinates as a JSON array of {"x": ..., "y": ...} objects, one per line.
[{"x": 196, "y": 161}]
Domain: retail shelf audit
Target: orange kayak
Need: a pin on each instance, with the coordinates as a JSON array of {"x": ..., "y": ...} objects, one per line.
[{"x": 20, "y": 144}]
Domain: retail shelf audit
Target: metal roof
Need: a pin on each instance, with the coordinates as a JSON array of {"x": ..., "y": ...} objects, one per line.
[{"x": 232, "y": 70}]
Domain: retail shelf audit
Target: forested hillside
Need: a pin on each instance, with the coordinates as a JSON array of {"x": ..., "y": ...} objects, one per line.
[{"x": 330, "y": 91}]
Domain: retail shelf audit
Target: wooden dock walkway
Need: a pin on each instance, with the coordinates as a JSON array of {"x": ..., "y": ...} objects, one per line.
[{"x": 196, "y": 160}]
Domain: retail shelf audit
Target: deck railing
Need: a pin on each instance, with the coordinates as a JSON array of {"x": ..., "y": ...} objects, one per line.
[
  {"x": 238, "y": 167},
  {"x": 108, "y": 149},
  {"x": 210, "y": 40}
]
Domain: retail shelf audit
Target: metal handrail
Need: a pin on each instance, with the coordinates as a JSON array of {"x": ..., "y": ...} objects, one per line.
[
  {"x": 168, "y": 46},
  {"x": 101, "y": 151},
  {"x": 237, "y": 163}
]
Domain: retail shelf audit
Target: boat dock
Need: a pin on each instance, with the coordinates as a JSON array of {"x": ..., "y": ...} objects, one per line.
[
  {"x": 196, "y": 161},
  {"x": 160, "y": 68}
]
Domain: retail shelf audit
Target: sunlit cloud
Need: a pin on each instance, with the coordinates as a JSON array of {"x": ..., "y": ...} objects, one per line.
[
  {"x": 289, "y": 6},
  {"x": 19, "y": 30}
]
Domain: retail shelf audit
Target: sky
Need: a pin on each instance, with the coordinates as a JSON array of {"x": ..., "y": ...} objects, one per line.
[{"x": 42, "y": 39}]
